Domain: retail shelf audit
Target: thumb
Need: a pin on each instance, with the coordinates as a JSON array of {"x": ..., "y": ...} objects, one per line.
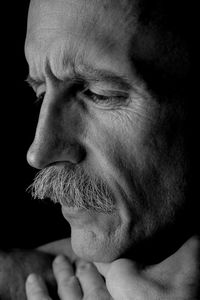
[{"x": 122, "y": 278}]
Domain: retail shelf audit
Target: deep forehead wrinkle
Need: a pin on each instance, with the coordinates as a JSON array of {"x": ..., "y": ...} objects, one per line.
[
  {"x": 85, "y": 73},
  {"x": 59, "y": 33},
  {"x": 92, "y": 74},
  {"x": 67, "y": 53},
  {"x": 62, "y": 65}
]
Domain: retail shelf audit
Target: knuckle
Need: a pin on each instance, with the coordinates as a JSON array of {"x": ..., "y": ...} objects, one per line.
[
  {"x": 70, "y": 281},
  {"x": 62, "y": 271},
  {"x": 65, "y": 284},
  {"x": 62, "y": 268},
  {"x": 98, "y": 293},
  {"x": 38, "y": 296},
  {"x": 63, "y": 275},
  {"x": 84, "y": 267}
]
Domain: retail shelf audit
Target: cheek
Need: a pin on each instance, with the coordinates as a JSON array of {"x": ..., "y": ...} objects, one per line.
[
  {"x": 126, "y": 148},
  {"x": 118, "y": 143},
  {"x": 121, "y": 138}
]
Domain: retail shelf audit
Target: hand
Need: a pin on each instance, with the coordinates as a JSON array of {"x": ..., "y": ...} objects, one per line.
[
  {"x": 125, "y": 282},
  {"x": 177, "y": 277},
  {"x": 86, "y": 282},
  {"x": 15, "y": 266}
]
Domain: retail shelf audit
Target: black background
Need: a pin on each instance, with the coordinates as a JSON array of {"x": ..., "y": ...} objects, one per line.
[{"x": 24, "y": 222}]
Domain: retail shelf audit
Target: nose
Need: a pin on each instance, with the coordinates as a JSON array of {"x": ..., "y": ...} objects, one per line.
[{"x": 56, "y": 138}]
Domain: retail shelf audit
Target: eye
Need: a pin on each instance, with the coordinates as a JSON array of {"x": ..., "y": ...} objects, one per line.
[
  {"x": 94, "y": 96},
  {"x": 104, "y": 99}
]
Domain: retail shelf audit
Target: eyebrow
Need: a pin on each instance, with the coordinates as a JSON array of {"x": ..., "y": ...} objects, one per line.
[
  {"x": 92, "y": 74},
  {"x": 34, "y": 83},
  {"x": 88, "y": 74}
]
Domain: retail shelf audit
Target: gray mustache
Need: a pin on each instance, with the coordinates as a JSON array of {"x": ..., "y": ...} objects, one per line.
[{"x": 71, "y": 186}]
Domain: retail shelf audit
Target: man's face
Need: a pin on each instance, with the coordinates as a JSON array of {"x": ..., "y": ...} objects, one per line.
[{"x": 99, "y": 117}]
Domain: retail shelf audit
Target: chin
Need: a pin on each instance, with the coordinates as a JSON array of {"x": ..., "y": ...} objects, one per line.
[{"x": 94, "y": 246}]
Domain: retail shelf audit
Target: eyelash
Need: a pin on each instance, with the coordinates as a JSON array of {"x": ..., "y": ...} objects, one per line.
[
  {"x": 40, "y": 98},
  {"x": 96, "y": 98}
]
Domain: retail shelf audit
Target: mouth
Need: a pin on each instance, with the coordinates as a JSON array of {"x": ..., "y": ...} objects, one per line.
[
  {"x": 77, "y": 216},
  {"x": 72, "y": 211}
]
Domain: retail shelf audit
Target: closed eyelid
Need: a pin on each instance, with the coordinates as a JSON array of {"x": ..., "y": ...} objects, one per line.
[{"x": 109, "y": 86}]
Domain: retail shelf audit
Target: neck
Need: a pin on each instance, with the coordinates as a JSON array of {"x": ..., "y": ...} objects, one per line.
[
  {"x": 181, "y": 268},
  {"x": 161, "y": 245}
]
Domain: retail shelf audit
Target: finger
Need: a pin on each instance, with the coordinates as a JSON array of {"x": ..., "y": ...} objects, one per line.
[
  {"x": 68, "y": 284},
  {"x": 103, "y": 268},
  {"x": 123, "y": 281},
  {"x": 36, "y": 288},
  {"x": 91, "y": 281}
]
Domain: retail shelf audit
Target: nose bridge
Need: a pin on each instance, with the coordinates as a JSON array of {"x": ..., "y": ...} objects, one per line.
[
  {"x": 49, "y": 125},
  {"x": 55, "y": 138}
]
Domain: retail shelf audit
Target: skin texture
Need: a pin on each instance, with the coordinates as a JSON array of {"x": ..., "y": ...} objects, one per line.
[
  {"x": 16, "y": 265},
  {"x": 132, "y": 137},
  {"x": 174, "y": 278}
]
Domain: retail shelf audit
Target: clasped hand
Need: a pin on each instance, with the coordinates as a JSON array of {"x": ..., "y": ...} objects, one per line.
[
  {"x": 175, "y": 278},
  {"x": 85, "y": 282},
  {"x": 120, "y": 281}
]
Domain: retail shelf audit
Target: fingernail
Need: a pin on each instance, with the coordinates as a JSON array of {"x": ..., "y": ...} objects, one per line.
[
  {"x": 32, "y": 279},
  {"x": 60, "y": 259}
]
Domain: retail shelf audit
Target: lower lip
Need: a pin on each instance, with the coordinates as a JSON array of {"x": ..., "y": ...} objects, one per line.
[
  {"x": 72, "y": 211},
  {"x": 76, "y": 216}
]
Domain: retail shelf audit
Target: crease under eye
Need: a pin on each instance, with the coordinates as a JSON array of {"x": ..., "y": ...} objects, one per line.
[
  {"x": 40, "y": 98},
  {"x": 118, "y": 99}
]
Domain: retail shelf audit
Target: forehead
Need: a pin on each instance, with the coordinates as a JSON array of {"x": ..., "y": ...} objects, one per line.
[
  {"x": 76, "y": 29},
  {"x": 69, "y": 13}
]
